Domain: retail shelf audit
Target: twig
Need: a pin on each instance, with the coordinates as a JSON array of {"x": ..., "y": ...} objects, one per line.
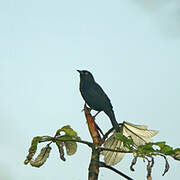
[
  {"x": 107, "y": 134},
  {"x": 102, "y": 164},
  {"x": 166, "y": 164},
  {"x": 114, "y": 150},
  {"x": 55, "y": 139},
  {"x": 75, "y": 140}
]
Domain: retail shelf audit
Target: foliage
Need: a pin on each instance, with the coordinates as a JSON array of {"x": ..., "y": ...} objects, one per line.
[
  {"x": 66, "y": 139},
  {"x": 148, "y": 151}
]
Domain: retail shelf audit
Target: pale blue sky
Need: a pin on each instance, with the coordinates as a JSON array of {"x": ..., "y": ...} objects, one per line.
[{"x": 131, "y": 47}]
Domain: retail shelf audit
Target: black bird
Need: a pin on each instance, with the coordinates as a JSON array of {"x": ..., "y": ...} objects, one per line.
[{"x": 95, "y": 97}]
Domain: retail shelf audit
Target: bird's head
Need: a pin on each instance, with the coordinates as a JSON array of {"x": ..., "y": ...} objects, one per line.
[{"x": 85, "y": 75}]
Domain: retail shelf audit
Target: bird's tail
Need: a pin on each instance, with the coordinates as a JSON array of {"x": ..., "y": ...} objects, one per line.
[{"x": 113, "y": 120}]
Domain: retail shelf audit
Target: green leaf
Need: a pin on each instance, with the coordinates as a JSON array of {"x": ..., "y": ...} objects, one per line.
[
  {"x": 160, "y": 144},
  {"x": 145, "y": 149},
  {"x": 32, "y": 149},
  {"x": 127, "y": 141},
  {"x": 176, "y": 154},
  {"x": 69, "y": 131},
  {"x": 71, "y": 146},
  {"x": 164, "y": 148},
  {"x": 124, "y": 139},
  {"x": 167, "y": 150}
]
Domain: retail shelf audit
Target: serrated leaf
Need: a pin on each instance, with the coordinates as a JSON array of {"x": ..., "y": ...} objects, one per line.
[
  {"x": 32, "y": 149},
  {"x": 42, "y": 157}
]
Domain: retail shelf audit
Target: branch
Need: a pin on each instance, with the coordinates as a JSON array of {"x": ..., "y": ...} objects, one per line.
[
  {"x": 55, "y": 139},
  {"x": 114, "y": 150},
  {"x": 75, "y": 140},
  {"x": 90, "y": 144},
  {"x": 92, "y": 126},
  {"x": 107, "y": 134},
  {"x": 102, "y": 164}
]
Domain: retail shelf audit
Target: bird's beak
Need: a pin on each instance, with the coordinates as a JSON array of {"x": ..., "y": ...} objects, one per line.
[{"x": 79, "y": 71}]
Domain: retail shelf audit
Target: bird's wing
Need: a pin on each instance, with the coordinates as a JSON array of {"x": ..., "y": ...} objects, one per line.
[{"x": 98, "y": 96}]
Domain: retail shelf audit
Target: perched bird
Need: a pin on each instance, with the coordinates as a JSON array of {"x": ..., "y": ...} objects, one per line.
[{"x": 95, "y": 97}]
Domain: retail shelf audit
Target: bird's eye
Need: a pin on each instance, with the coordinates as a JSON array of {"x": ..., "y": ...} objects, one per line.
[{"x": 86, "y": 73}]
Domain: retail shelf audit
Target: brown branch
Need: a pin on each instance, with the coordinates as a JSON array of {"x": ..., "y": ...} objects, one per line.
[
  {"x": 92, "y": 126},
  {"x": 94, "y": 165}
]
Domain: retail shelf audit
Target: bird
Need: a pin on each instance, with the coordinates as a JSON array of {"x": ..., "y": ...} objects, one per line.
[{"x": 95, "y": 97}]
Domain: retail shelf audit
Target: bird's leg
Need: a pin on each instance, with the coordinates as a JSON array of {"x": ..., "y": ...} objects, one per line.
[
  {"x": 97, "y": 125},
  {"x": 99, "y": 129},
  {"x": 96, "y": 114}
]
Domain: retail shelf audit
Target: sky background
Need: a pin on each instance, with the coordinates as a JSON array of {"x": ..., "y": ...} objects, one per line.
[{"x": 132, "y": 48}]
